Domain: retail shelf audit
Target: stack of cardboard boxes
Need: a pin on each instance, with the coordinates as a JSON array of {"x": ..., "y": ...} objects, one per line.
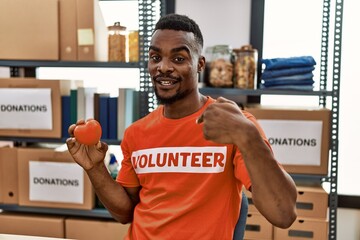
[
  {"x": 69, "y": 30},
  {"x": 311, "y": 223},
  {"x": 45, "y": 178},
  {"x": 300, "y": 141}
]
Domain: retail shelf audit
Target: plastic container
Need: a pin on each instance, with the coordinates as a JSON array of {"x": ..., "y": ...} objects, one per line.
[{"x": 245, "y": 67}]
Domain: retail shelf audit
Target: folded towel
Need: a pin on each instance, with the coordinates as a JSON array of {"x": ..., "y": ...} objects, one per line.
[
  {"x": 279, "y": 63},
  {"x": 291, "y": 77},
  {"x": 286, "y": 72},
  {"x": 287, "y": 82}
]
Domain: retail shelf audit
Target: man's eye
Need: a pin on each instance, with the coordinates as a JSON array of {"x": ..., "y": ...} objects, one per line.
[
  {"x": 179, "y": 59},
  {"x": 155, "y": 58}
]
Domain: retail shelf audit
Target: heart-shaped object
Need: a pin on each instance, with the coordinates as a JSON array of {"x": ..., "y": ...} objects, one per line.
[{"x": 88, "y": 133}]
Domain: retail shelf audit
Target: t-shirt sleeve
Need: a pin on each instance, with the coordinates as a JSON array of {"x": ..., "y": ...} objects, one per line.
[{"x": 127, "y": 176}]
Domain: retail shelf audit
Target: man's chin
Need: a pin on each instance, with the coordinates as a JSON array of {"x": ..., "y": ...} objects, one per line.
[
  {"x": 166, "y": 100},
  {"x": 169, "y": 99}
]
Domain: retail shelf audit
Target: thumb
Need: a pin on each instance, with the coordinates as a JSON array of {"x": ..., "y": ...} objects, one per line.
[
  {"x": 223, "y": 100},
  {"x": 101, "y": 146}
]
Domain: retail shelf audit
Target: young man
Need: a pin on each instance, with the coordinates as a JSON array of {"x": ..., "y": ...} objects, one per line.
[{"x": 186, "y": 162}]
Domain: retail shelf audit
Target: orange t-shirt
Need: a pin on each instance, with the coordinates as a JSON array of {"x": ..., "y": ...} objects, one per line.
[{"x": 190, "y": 186}]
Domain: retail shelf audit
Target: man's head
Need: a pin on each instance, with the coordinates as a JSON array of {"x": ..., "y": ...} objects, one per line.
[
  {"x": 175, "y": 59},
  {"x": 181, "y": 23}
]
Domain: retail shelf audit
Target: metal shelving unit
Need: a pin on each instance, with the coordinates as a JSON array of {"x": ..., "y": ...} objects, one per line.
[
  {"x": 149, "y": 11},
  {"x": 35, "y": 64},
  {"x": 323, "y": 93},
  {"x": 97, "y": 212}
]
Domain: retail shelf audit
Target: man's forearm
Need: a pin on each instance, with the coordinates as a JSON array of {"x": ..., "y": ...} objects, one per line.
[
  {"x": 111, "y": 194},
  {"x": 273, "y": 190}
]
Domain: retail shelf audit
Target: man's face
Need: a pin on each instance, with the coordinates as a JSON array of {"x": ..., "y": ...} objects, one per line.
[{"x": 173, "y": 64}]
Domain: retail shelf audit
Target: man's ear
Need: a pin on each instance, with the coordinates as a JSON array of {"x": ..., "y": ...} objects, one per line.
[{"x": 201, "y": 64}]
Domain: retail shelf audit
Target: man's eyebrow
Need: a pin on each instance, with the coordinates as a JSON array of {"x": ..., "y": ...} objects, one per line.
[
  {"x": 182, "y": 48},
  {"x": 174, "y": 50},
  {"x": 156, "y": 49}
]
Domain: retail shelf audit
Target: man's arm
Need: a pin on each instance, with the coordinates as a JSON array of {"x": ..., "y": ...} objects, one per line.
[
  {"x": 273, "y": 191},
  {"x": 119, "y": 201}
]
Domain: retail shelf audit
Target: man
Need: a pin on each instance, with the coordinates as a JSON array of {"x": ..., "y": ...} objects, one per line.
[{"x": 186, "y": 162}]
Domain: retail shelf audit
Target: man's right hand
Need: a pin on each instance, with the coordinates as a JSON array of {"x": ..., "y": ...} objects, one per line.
[{"x": 86, "y": 156}]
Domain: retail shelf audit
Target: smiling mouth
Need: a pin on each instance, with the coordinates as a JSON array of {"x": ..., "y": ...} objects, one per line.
[{"x": 166, "y": 82}]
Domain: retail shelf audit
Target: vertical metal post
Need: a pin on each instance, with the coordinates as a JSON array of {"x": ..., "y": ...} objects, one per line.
[
  {"x": 333, "y": 200},
  {"x": 324, "y": 50},
  {"x": 149, "y": 12}
]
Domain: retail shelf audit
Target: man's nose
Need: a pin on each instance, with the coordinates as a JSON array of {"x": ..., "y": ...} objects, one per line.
[{"x": 165, "y": 66}]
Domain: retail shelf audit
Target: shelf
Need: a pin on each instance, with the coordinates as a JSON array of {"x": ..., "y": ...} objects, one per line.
[
  {"x": 309, "y": 178},
  {"x": 259, "y": 92},
  {"x": 25, "y": 63},
  {"x": 50, "y": 140},
  {"x": 98, "y": 213}
]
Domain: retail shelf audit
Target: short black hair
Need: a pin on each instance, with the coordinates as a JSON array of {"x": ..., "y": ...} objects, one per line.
[{"x": 179, "y": 22}]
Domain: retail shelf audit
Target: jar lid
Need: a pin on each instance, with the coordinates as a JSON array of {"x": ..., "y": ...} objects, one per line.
[
  {"x": 245, "y": 48},
  {"x": 117, "y": 27}
]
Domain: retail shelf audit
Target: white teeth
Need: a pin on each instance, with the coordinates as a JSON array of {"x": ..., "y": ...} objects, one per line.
[{"x": 167, "y": 83}]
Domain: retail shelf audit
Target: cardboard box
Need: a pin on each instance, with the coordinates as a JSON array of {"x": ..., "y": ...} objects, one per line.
[
  {"x": 312, "y": 202},
  {"x": 52, "y": 179},
  {"x": 257, "y": 227},
  {"x": 30, "y": 84},
  {"x": 68, "y": 30},
  {"x": 33, "y": 225},
  {"x": 92, "y": 32},
  {"x": 86, "y": 229},
  {"x": 9, "y": 193},
  {"x": 29, "y": 30},
  {"x": 304, "y": 229},
  {"x": 300, "y": 137}
]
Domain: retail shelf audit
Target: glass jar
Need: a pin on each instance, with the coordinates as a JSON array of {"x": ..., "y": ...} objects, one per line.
[
  {"x": 133, "y": 46},
  {"x": 220, "y": 66},
  {"x": 117, "y": 43},
  {"x": 245, "y": 74}
]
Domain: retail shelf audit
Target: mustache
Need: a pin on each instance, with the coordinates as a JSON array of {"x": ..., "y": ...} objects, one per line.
[{"x": 155, "y": 78}]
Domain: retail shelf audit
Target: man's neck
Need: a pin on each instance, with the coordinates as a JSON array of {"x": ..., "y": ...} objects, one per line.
[{"x": 184, "y": 108}]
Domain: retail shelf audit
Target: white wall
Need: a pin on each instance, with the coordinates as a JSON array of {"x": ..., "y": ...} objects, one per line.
[{"x": 221, "y": 22}]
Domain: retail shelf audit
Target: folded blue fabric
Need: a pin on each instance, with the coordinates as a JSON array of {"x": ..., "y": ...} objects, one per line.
[
  {"x": 287, "y": 82},
  {"x": 279, "y": 63},
  {"x": 292, "y": 77},
  {"x": 290, "y": 87},
  {"x": 286, "y": 72}
]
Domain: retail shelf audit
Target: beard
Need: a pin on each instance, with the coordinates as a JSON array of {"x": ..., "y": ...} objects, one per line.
[{"x": 172, "y": 99}]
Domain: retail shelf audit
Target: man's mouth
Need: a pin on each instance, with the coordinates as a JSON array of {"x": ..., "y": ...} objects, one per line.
[{"x": 166, "y": 81}]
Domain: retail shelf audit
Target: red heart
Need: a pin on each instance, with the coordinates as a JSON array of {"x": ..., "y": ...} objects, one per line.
[{"x": 88, "y": 133}]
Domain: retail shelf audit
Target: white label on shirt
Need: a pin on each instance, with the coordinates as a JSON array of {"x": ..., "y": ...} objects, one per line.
[{"x": 180, "y": 159}]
